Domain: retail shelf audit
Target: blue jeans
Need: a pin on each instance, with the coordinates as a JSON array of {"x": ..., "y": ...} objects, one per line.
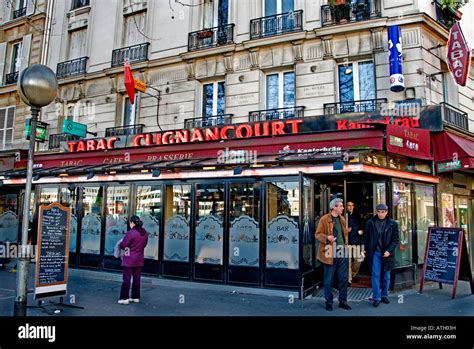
[
  {"x": 380, "y": 284},
  {"x": 340, "y": 267}
]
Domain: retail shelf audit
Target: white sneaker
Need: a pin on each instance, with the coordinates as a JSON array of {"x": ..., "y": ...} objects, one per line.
[
  {"x": 123, "y": 301},
  {"x": 134, "y": 300}
]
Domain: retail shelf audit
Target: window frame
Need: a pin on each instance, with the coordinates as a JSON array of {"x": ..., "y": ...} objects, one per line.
[
  {"x": 127, "y": 20},
  {"x": 70, "y": 36},
  {"x": 215, "y": 13},
  {"x": 279, "y": 8},
  {"x": 356, "y": 78},
  {"x": 281, "y": 87},
  {"x": 135, "y": 109},
  {"x": 215, "y": 98},
  {"x": 13, "y": 61}
]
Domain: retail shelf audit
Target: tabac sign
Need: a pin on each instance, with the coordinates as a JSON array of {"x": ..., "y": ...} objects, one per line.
[{"x": 459, "y": 55}]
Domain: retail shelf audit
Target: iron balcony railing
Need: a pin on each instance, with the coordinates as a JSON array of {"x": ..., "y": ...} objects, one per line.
[
  {"x": 364, "y": 106},
  {"x": 280, "y": 113},
  {"x": 70, "y": 68},
  {"x": 276, "y": 25},
  {"x": 11, "y": 78},
  {"x": 135, "y": 53},
  {"x": 454, "y": 116},
  {"x": 211, "y": 37},
  {"x": 79, "y": 3},
  {"x": 447, "y": 16},
  {"x": 215, "y": 120},
  {"x": 55, "y": 140},
  {"x": 360, "y": 10},
  {"x": 124, "y": 130},
  {"x": 19, "y": 13}
]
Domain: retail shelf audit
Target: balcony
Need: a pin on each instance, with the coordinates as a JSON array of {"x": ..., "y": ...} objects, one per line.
[
  {"x": 124, "y": 130},
  {"x": 276, "y": 25},
  {"x": 454, "y": 116},
  {"x": 273, "y": 114},
  {"x": 446, "y": 16},
  {"x": 215, "y": 120},
  {"x": 364, "y": 106},
  {"x": 19, "y": 13},
  {"x": 71, "y": 68},
  {"x": 55, "y": 140},
  {"x": 361, "y": 10},
  {"x": 135, "y": 53},
  {"x": 11, "y": 78},
  {"x": 211, "y": 37},
  {"x": 79, "y": 3}
]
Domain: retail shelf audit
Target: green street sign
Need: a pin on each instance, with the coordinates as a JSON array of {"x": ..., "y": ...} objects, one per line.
[
  {"x": 41, "y": 130},
  {"x": 74, "y": 128}
]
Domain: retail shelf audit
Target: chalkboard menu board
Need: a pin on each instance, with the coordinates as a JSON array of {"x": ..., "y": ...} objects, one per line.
[
  {"x": 52, "y": 256},
  {"x": 443, "y": 262}
]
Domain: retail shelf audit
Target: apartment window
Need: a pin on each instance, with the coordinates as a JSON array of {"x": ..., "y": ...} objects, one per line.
[
  {"x": 280, "y": 90},
  {"x": 356, "y": 81},
  {"x": 216, "y": 13},
  {"x": 77, "y": 44},
  {"x": 213, "y": 99},
  {"x": 134, "y": 29},
  {"x": 79, "y": 3},
  {"x": 18, "y": 8},
  {"x": 129, "y": 111},
  {"x": 274, "y": 7},
  {"x": 15, "y": 61},
  {"x": 7, "y": 116}
]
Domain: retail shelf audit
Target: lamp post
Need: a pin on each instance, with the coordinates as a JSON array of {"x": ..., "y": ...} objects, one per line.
[{"x": 37, "y": 87}]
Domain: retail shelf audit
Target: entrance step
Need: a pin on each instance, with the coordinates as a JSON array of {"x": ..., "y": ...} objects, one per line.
[
  {"x": 353, "y": 294},
  {"x": 362, "y": 281}
]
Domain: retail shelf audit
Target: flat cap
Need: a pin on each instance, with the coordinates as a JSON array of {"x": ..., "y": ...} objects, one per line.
[{"x": 381, "y": 207}]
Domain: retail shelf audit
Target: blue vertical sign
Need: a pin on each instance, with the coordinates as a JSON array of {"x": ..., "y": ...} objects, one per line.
[{"x": 397, "y": 81}]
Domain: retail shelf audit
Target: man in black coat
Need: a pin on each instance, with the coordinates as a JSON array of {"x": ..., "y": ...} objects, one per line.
[
  {"x": 382, "y": 237},
  {"x": 354, "y": 228}
]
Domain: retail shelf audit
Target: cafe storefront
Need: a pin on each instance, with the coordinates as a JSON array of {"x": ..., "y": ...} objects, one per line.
[{"x": 234, "y": 204}]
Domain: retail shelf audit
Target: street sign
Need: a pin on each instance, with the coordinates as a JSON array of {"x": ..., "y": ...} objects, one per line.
[
  {"x": 41, "y": 130},
  {"x": 140, "y": 85},
  {"x": 458, "y": 55},
  {"x": 74, "y": 128}
]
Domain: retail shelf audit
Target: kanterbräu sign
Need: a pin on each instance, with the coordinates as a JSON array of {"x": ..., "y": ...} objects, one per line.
[{"x": 459, "y": 55}]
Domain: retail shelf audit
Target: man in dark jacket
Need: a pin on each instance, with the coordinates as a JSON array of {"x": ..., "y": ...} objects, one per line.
[
  {"x": 134, "y": 244},
  {"x": 382, "y": 237}
]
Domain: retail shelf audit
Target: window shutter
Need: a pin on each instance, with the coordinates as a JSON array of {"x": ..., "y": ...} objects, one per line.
[
  {"x": 30, "y": 7},
  {"x": 25, "y": 52},
  {"x": 3, "y": 63}
]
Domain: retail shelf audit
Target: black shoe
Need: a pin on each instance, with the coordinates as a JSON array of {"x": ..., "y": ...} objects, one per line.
[
  {"x": 376, "y": 303},
  {"x": 329, "y": 307},
  {"x": 385, "y": 300},
  {"x": 345, "y": 306}
]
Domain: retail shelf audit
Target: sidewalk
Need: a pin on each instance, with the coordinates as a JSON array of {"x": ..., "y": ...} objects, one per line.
[{"x": 98, "y": 293}]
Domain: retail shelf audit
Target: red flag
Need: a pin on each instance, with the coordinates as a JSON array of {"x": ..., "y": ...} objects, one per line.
[{"x": 129, "y": 82}]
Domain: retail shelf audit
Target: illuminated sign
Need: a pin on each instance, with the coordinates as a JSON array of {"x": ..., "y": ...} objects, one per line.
[{"x": 225, "y": 132}]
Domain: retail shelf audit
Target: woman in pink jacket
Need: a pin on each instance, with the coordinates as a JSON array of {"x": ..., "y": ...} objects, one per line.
[{"x": 134, "y": 244}]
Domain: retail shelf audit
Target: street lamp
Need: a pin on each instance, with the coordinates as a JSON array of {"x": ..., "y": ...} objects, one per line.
[{"x": 37, "y": 87}]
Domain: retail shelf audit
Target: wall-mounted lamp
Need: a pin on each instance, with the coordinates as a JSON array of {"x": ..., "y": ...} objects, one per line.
[
  {"x": 313, "y": 68},
  {"x": 156, "y": 172},
  {"x": 241, "y": 78},
  {"x": 90, "y": 175},
  {"x": 36, "y": 177}
]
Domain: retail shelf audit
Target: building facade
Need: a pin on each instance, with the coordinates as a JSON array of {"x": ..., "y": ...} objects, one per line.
[{"x": 245, "y": 71}]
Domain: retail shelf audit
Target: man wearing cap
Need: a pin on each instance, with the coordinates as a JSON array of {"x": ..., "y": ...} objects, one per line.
[
  {"x": 332, "y": 252},
  {"x": 382, "y": 237}
]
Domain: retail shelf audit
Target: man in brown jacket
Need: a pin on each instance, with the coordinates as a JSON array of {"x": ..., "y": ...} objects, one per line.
[{"x": 332, "y": 252}]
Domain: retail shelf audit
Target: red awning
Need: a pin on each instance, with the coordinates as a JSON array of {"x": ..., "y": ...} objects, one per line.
[{"x": 452, "y": 152}]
